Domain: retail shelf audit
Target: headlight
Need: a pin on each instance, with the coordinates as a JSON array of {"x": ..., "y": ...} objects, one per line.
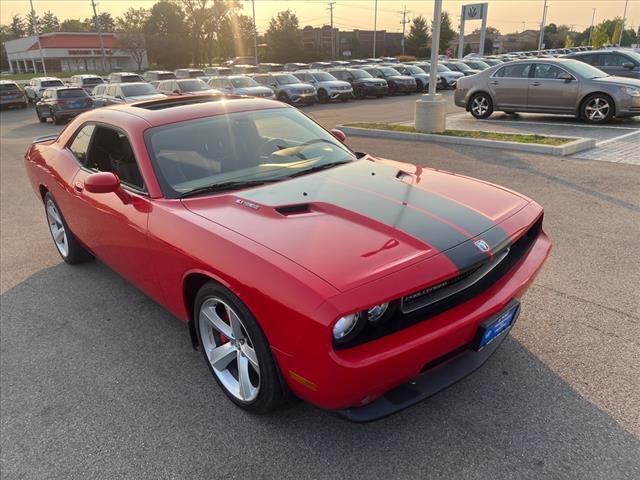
[
  {"x": 345, "y": 325},
  {"x": 376, "y": 313},
  {"x": 633, "y": 91}
]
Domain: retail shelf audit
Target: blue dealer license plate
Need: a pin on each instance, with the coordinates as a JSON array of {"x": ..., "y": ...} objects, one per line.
[{"x": 492, "y": 329}]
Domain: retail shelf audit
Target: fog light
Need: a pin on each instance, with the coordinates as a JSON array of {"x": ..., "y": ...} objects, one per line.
[
  {"x": 345, "y": 325},
  {"x": 375, "y": 313}
]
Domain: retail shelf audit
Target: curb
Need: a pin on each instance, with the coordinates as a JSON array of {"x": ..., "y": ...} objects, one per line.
[{"x": 578, "y": 145}]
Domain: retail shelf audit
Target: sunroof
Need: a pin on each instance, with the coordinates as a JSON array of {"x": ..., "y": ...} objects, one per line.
[{"x": 181, "y": 101}]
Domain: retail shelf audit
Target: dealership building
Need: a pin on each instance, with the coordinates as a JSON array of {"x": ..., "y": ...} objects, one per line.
[{"x": 70, "y": 52}]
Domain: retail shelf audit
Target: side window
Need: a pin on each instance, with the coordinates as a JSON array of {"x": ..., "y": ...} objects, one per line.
[
  {"x": 80, "y": 144},
  {"x": 586, "y": 59},
  {"x": 613, "y": 60},
  {"x": 112, "y": 90},
  {"x": 520, "y": 70},
  {"x": 226, "y": 83},
  {"x": 546, "y": 70},
  {"x": 111, "y": 152}
]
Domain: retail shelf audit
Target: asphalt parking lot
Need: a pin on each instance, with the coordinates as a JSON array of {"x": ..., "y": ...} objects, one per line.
[{"x": 97, "y": 381}]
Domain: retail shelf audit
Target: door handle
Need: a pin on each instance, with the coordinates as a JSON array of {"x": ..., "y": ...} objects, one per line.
[
  {"x": 495, "y": 82},
  {"x": 78, "y": 186},
  {"x": 535, "y": 84}
]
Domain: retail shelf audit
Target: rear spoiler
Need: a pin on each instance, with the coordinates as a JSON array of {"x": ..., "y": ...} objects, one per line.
[{"x": 45, "y": 138}]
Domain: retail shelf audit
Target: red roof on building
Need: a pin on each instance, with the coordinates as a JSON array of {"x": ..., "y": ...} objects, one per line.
[{"x": 75, "y": 40}]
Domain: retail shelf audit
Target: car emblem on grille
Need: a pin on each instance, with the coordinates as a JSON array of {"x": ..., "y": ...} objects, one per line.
[{"x": 482, "y": 245}]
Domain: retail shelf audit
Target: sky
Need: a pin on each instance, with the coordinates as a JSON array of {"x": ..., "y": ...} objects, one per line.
[{"x": 506, "y": 15}]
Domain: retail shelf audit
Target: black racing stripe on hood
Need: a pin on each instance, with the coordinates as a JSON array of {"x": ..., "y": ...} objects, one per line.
[{"x": 384, "y": 198}]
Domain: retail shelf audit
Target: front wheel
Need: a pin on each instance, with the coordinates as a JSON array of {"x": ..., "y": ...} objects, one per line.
[
  {"x": 237, "y": 351},
  {"x": 419, "y": 86},
  {"x": 283, "y": 97},
  {"x": 481, "y": 105},
  {"x": 68, "y": 247},
  {"x": 597, "y": 108},
  {"x": 359, "y": 93},
  {"x": 323, "y": 97}
]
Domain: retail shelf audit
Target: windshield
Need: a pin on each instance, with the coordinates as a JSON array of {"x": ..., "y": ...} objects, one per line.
[
  {"x": 413, "y": 69},
  {"x": 196, "y": 73},
  {"x": 360, "y": 74},
  {"x": 477, "y": 64},
  {"x": 131, "y": 78},
  {"x": 52, "y": 83},
  {"x": 92, "y": 81},
  {"x": 388, "y": 71},
  {"x": 137, "y": 90},
  {"x": 634, "y": 55},
  {"x": 263, "y": 145},
  {"x": 72, "y": 93},
  {"x": 9, "y": 87},
  {"x": 584, "y": 70},
  {"x": 286, "y": 79},
  {"x": 244, "y": 82},
  {"x": 195, "y": 85},
  {"x": 460, "y": 66},
  {"x": 323, "y": 77},
  {"x": 166, "y": 76}
]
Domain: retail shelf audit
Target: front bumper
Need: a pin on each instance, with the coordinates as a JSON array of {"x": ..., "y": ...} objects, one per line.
[
  {"x": 71, "y": 112},
  {"x": 405, "y": 87},
  {"x": 303, "y": 98},
  {"x": 351, "y": 378},
  {"x": 375, "y": 90},
  {"x": 339, "y": 95},
  {"x": 628, "y": 107},
  {"x": 7, "y": 102}
]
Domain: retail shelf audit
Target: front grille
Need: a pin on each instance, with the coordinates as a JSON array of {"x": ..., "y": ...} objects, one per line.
[{"x": 436, "y": 299}]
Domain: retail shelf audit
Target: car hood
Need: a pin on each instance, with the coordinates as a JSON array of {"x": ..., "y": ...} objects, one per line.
[
  {"x": 402, "y": 78},
  {"x": 296, "y": 86},
  {"x": 334, "y": 84},
  {"x": 363, "y": 220},
  {"x": 253, "y": 91},
  {"x": 619, "y": 81}
]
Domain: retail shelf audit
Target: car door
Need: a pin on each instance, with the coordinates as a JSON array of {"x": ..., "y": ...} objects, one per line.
[
  {"x": 509, "y": 86},
  {"x": 614, "y": 64},
  {"x": 547, "y": 92},
  {"x": 114, "y": 230}
]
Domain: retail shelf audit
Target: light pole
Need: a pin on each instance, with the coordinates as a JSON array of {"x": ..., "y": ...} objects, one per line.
[
  {"x": 35, "y": 28},
  {"x": 99, "y": 29},
  {"x": 624, "y": 18},
  {"x": 333, "y": 40},
  {"x": 593, "y": 16},
  {"x": 375, "y": 25},
  {"x": 255, "y": 31},
  {"x": 542, "y": 24}
]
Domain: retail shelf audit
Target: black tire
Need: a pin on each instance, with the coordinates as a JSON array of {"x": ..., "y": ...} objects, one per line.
[
  {"x": 407, "y": 93},
  {"x": 322, "y": 96},
  {"x": 24, "y": 105},
  {"x": 481, "y": 105},
  {"x": 379, "y": 96},
  {"x": 419, "y": 86},
  {"x": 393, "y": 89},
  {"x": 597, "y": 100},
  {"x": 272, "y": 388},
  {"x": 283, "y": 97},
  {"x": 359, "y": 93},
  {"x": 56, "y": 120},
  {"x": 41, "y": 118},
  {"x": 76, "y": 253},
  {"x": 344, "y": 100}
]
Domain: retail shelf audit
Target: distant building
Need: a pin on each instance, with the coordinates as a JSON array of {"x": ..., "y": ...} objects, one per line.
[
  {"x": 356, "y": 43},
  {"x": 69, "y": 52},
  {"x": 516, "y": 42}
]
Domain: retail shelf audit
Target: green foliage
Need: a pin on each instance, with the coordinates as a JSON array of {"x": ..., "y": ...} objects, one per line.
[
  {"x": 49, "y": 23},
  {"x": 568, "y": 41},
  {"x": 73, "y": 25},
  {"x": 236, "y": 36},
  {"x": 418, "y": 37},
  {"x": 616, "y": 36},
  {"x": 284, "y": 38},
  {"x": 133, "y": 20},
  {"x": 17, "y": 27},
  {"x": 599, "y": 36},
  {"x": 447, "y": 34}
]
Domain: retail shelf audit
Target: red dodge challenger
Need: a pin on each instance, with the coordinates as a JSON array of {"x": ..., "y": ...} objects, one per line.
[{"x": 359, "y": 284}]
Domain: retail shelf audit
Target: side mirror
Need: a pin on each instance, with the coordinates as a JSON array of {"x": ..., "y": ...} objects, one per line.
[
  {"x": 176, "y": 92},
  {"x": 339, "y": 134},
  {"x": 565, "y": 76},
  {"x": 628, "y": 65},
  {"x": 106, "y": 182}
]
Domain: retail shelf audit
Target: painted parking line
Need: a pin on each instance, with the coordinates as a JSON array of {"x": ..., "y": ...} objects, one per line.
[
  {"x": 609, "y": 140},
  {"x": 553, "y": 124}
]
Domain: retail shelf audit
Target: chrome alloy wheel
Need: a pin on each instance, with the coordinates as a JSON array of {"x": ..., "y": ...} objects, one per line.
[
  {"x": 57, "y": 229},
  {"x": 229, "y": 349},
  {"x": 597, "y": 109},
  {"x": 480, "y": 105}
]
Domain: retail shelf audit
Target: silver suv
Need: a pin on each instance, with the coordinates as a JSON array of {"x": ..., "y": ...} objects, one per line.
[
  {"x": 328, "y": 87},
  {"x": 87, "y": 82},
  {"x": 288, "y": 88},
  {"x": 38, "y": 85}
]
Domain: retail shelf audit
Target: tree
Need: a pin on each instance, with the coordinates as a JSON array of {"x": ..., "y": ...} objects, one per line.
[
  {"x": 568, "y": 41},
  {"x": 446, "y": 33},
  {"x": 165, "y": 18},
  {"x": 616, "y": 37},
  {"x": 105, "y": 22},
  {"x": 166, "y": 38},
  {"x": 599, "y": 36},
  {"x": 215, "y": 17},
  {"x": 49, "y": 23},
  {"x": 31, "y": 23},
  {"x": 72, "y": 25},
  {"x": 134, "y": 45},
  {"x": 133, "y": 20},
  {"x": 629, "y": 36},
  {"x": 416, "y": 41},
  {"x": 284, "y": 37},
  {"x": 17, "y": 27},
  {"x": 235, "y": 36}
]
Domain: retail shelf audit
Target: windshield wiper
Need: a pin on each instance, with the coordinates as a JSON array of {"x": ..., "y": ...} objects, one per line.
[
  {"x": 317, "y": 168},
  {"x": 226, "y": 186}
]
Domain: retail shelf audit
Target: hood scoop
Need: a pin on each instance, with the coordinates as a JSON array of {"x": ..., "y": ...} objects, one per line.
[{"x": 290, "y": 210}]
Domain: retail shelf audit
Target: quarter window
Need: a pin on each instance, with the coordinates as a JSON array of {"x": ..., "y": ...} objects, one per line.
[
  {"x": 519, "y": 70},
  {"x": 80, "y": 145}
]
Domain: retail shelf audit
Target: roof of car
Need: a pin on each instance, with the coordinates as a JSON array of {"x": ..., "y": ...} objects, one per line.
[
  {"x": 45, "y": 79},
  {"x": 87, "y": 75},
  {"x": 158, "y": 71},
  {"x": 177, "y": 109},
  {"x": 124, "y": 73},
  {"x": 8, "y": 82}
]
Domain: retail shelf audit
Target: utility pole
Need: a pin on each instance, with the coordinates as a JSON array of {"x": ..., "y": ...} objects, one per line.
[
  {"x": 460, "y": 34},
  {"x": 404, "y": 23},
  {"x": 542, "y": 24},
  {"x": 375, "y": 25},
  {"x": 524, "y": 26},
  {"x": 593, "y": 16},
  {"x": 435, "y": 42},
  {"x": 624, "y": 18},
  {"x": 255, "y": 31},
  {"x": 37, "y": 32},
  {"x": 99, "y": 29},
  {"x": 333, "y": 40}
]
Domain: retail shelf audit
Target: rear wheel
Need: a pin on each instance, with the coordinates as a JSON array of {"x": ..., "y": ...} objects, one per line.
[
  {"x": 597, "y": 108},
  {"x": 283, "y": 97},
  {"x": 322, "y": 96},
  {"x": 55, "y": 118},
  {"x": 237, "y": 351},
  {"x": 40, "y": 117},
  {"x": 359, "y": 93},
  {"x": 419, "y": 86},
  {"x": 393, "y": 89},
  {"x": 68, "y": 247},
  {"x": 481, "y": 105}
]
